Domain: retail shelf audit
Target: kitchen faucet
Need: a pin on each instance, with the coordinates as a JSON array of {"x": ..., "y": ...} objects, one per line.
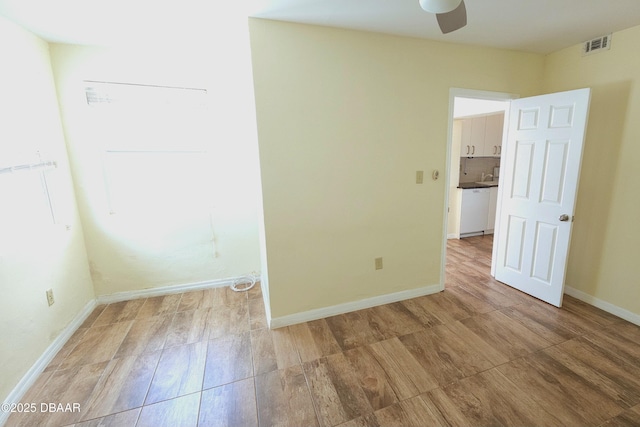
[{"x": 486, "y": 176}]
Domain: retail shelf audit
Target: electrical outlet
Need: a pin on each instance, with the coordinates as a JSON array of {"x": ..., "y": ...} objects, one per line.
[
  {"x": 50, "y": 299},
  {"x": 379, "y": 263},
  {"x": 419, "y": 177}
]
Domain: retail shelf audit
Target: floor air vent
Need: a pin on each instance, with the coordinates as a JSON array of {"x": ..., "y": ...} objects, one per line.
[{"x": 596, "y": 45}]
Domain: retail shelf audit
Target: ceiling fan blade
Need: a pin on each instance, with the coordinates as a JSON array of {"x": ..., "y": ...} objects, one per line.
[{"x": 453, "y": 20}]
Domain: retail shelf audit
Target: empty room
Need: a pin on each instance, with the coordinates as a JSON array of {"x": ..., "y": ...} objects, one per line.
[{"x": 276, "y": 213}]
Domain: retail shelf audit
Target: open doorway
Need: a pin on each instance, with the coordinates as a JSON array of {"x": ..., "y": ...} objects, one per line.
[{"x": 477, "y": 126}]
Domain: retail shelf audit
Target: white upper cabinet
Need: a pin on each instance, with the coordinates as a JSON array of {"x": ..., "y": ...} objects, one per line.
[
  {"x": 482, "y": 136},
  {"x": 493, "y": 135}
]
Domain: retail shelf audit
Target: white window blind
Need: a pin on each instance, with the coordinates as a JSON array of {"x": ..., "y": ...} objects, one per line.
[{"x": 140, "y": 95}]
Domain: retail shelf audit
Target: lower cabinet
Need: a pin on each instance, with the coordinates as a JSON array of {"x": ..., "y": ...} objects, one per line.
[
  {"x": 478, "y": 208},
  {"x": 474, "y": 211},
  {"x": 493, "y": 205}
]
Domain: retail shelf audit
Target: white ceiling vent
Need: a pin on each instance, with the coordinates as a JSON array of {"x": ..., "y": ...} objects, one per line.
[{"x": 596, "y": 45}]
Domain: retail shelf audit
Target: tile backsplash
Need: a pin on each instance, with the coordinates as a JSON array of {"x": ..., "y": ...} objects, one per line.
[{"x": 471, "y": 169}]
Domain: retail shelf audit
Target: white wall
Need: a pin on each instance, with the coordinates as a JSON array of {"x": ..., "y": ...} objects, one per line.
[
  {"x": 36, "y": 254},
  {"x": 126, "y": 255}
]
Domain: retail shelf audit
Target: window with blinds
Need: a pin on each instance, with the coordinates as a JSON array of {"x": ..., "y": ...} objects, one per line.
[
  {"x": 154, "y": 143},
  {"x": 140, "y": 95}
]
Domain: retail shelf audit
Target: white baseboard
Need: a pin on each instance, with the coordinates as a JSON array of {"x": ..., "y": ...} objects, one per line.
[
  {"x": 320, "y": 313},
  {"x": 164, "y": 290},
  {"x": 43, "y": 361},
  {"x": 603, "y": 305}
]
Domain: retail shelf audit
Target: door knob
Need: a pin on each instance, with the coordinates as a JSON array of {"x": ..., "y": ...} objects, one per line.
[{"x": 564, "y": 217}]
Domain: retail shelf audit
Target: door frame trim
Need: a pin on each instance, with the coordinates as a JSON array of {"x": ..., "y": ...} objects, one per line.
[{"x": 454, "y": 93}]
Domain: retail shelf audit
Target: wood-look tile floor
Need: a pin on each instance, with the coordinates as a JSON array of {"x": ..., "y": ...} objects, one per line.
[{"x": 479, "y": 353}]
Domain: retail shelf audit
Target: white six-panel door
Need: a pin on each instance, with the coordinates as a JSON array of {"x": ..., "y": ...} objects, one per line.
[{"x": 540, "y": 172}]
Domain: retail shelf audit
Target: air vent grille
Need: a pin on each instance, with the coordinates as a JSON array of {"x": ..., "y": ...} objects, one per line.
[{"x": 596, "y": 45}]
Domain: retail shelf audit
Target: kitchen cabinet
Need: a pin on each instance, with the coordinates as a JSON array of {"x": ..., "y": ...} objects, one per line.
[
  {"x": 474, "y": 210},
  {"x": 476, "y": 213},
  {"x": 481, "y": 136},
  {"x": 493, "y": 205},
  {"x": 472, "y": 136},
  {"x": 493, "y": 135}
]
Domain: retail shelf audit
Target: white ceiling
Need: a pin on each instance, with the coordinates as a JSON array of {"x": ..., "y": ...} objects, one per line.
[{"x": 541, "y": 26}]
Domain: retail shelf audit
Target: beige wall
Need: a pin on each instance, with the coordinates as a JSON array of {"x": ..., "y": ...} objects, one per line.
[
  {"x": 35, "y": 253},
  {"x": 604, "y": 249},
  {"x": 345, "y": 119},
  {"x": 160, "y": 249}
]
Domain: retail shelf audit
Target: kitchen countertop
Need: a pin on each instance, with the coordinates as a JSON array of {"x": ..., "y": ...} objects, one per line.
[{"x": 469, "y": 185}]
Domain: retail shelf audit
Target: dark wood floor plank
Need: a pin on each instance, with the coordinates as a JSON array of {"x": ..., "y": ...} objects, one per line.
[
  {"x": 284, "y": 399},
  {"x": 255, "y": 292},
  {"x": 372, "y": 377},
  {"x": 335, "y": 390},
  {"x": 367, "y": 420},
  {"x": 625, "y": 331},
  {"x": 444, "y": 355},
  {"x": 257, "y": 314},
  {"x": 542, "y": 322},
  {"x": 180, "y": 372},
  {"x": 314, "y": 340},
  {"x": 392, "y": 320},
  {"x": 119, "y": 312},
  {"x": 353, "y": 330},
  {"x": 618, "y": 380},
  {"x": 192, "y": 301},
  {"x": 147, "y": 334},
  {"x": 405, "y": 374},
  {"x": 510, "y": 338},
  {"x": 470, "y": 302},
  {"x": 98, "y": 344},
  {"x": 472, "y": 272},
  {"x": 120, "y": 419},
  {"x": 414, "y": 412},
  {"x": 90, "y": 320},
  {"x": 224, "y": 296},
  {"x": 443, "y": 307},
  {"x": 422, "y": 313},
  {"x": 480, "y": 346},
  {"x": 495, "y": 293},
  {"x": 489, "y": 399},
  {"x": 231, "y": 404},
  {"x": 273, "y": 350},
  {"x": 628, "y": 418},
  {"x": 66, "y": 349},
  {"x": 188, "y": 327},
  {"x": 228, "y": 360},
  {"x": 228, "y": 320},
  {"x": 617, "y": 346},
  {"x": 181, "y": 411},
  {"x": 560, "y": 391},
  {"x": 70, "y": 386},
  {"x": 122, "y": 386},
  {"x": 587, "y": 311},
  {"x": 160, "y": 306},
  {"x": 572, "y": 322},
  {"x": 451, "y": 413}
]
